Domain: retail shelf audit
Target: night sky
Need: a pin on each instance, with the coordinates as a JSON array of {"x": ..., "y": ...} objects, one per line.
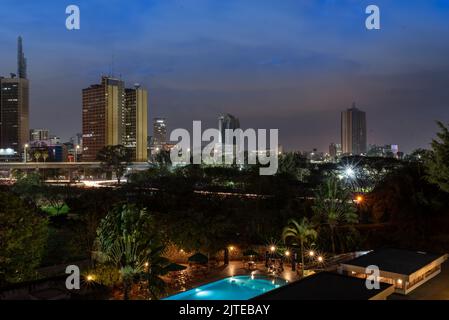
[{"x": 292, "y": 65}]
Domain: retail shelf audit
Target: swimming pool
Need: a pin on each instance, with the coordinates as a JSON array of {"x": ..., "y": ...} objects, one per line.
[{"x": 232, "y": 288}]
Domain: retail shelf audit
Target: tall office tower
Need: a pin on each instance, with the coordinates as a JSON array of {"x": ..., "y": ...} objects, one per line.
[
  {"x": 159, "y": 133},
  {"x": 102, "y": 116},
  {"x": 39, "y": 135},
  {"x": 21, "y": 60},
  {"x": 135, "y": 129},
  {"x": 14, "y": 109},
  {"x": 353, "y": 131},
  {"x": 227, "y": 121}
]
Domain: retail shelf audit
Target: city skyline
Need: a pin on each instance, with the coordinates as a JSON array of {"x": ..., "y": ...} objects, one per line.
[{"x": 268, "y": 74}]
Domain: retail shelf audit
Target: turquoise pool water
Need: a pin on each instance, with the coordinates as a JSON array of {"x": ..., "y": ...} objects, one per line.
[{"x": 233, "y": 288}]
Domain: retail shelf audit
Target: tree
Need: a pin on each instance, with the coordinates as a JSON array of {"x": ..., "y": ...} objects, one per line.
[
  {"x": 28, "y": 186},
  {"x": 45, "y": 155},
  {"x": 23, "y": 235},
  {"x": 129, "y": 241},
  {"x": 334, "y": 206},
  {"x": 155, "y": 267},
  {"x": 37, "y": 154},
  {"x": 53, "y": 199},
  {"x": 437, "y": 162},
  {"x": 294, "y": 164},
  {"x": 114, "y": 159},
  {"x": 299, "y": 234},
  {"x": 162, "y": 158}
]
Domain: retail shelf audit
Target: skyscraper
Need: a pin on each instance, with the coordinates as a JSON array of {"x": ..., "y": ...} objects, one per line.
[
  {"x": 113, "y": 115},
  {"x": 353, "y": 131},
  {"x": 21, "y": 60},
  {"x": 14, "y": 108},
  {"x": 159, "y": 133},
  {"x": 227, "y": 121},
  {"x": 135, "y": 129},
  {"x": 102, "y": 116}
]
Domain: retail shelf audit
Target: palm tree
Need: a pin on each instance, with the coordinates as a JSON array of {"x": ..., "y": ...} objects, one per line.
[
  {"x": 124, "y": 254},
  {"x": 36, "y": 155},
  {"x": 299, "y": 234},
  {"x": 45, "y": 155},
  {"x": 334, "y": 206},
  {"x": 157, "y": 266},
  {"x": 114, "y": 159},
  {"x": 129, "y": 241}
]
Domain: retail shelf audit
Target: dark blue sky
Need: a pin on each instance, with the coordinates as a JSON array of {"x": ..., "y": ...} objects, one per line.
[{"x": 292, "y": 65}]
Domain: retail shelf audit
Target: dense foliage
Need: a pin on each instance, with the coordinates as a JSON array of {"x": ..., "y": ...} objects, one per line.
[
  {"x": 437, "y": 161},
  {"x": 23, "y": 236}
]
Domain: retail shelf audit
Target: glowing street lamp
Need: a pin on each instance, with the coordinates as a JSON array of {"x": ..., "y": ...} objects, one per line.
[
  {"x": 287, "y": 253},
  {"x": 311, "y": 253},
  {"x": 26, "y": 151},
  {"x": 76, "y": 152},
  {"x": 272, "y": 248},
  {"x": 90, "y": 278},
  {"x": 320, "y": 259},
  {"x": 349, "y": 172}
]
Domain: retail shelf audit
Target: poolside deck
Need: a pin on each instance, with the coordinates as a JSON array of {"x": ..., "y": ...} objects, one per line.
[{"x": 232, "y": 269}]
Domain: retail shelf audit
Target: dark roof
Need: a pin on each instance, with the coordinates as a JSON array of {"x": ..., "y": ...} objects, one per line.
[
  {"x": 324, "y": 286},
  {"x": 395, "y": 260}
]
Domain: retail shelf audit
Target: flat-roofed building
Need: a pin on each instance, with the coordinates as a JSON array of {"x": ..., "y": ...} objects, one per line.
[
  {"x": 102, "y": 116},
  {"x": 404, "y": 269},
  {"x": 14, "y": 114},
  {"x": 328, "y": 286},
  {"x": 135, "y": 129},
  {"x": 39, "y": 134},
  {"x": 113, "y": 115}
]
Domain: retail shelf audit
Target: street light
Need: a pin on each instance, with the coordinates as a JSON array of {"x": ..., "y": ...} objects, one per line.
[
  {"x": 320, "y": 259},
  {"x": 349, "y": 172},
  {"x": 90, "y": 278},
  {"x": 272, "y": 248},
  {"x": 359, "y": 199},
  {"x": 311, "y": 253},
  {"x": 25, "y": 151},
  {"x": 76, "y": 152}
]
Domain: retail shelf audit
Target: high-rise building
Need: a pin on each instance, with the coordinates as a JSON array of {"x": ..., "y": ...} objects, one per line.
[
  {"x": 39, "y": 135},
  {"x": 353, "y": 131},
  {"x": 21, "y": 60},
  {"x": 159, "y": 133},
  {"x": 113, "y": 115},
  {"x": 227, "y": 121},
  {"x": 102, "y": 116},
  {"x": 14, "y": 108},
  {"x": 135, "y": 129}
]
